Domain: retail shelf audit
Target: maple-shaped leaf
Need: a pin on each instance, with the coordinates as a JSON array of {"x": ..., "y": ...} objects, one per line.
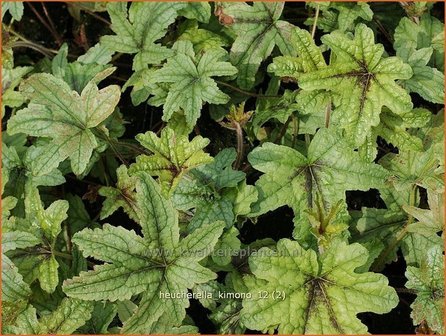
[
  {"x": 208, "y": 191},
  {"x": 66, "y": 319},
  {"x": 156, "y": 263},
  {"x": 314, "y": 293},
  {"x": 428, "y": 283},
  {"x": 191, "y": 80},
  {"x": 138, "y": 29},
  {"x": 173, "y": 155},
  {"x": 363, "y": 80},
  {"x": 411, "y": 168},
  {"x": 122, "y": 195},
  {"x": 69, "y": 119},
  {"x": 259, "y": 29},
  {"x": 329, "y": 169},
  {"x": 413, "y": 45}
]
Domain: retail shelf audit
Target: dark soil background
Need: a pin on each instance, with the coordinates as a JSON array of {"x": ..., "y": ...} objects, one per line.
[{"x": 84, "y": 33}]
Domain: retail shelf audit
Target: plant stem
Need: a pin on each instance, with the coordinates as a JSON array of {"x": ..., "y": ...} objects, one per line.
[
  {"x": 46, "y": 24},
  {"x": 69, "y": 257},
  {"x": 295, "y": 130},
  {"x": 252, "y": 94},
  {"x": 282, "y": 130},
  {"x": 52, "y": 25},
  {"x": 239, "y": 133},
  {"x": 316, "y": 17}
]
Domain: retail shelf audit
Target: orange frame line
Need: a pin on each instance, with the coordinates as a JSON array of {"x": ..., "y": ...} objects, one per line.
[{"x": 49, "y": 1}]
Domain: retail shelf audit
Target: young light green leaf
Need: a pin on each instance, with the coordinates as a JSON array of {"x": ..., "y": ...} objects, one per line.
[
  {"x": 313, "y": 290},
  {"x": 191, "y": 80},
  {"x": 173, "y": 155},
  {"x": 258, "y": 31},
  {"x": 65, "y": 116},
  {"x": 428, "y": 283},
  {"x": 152, "y": 265},
  {"x": 202, "y": 39},
  {"x": 364, "y": 81}
]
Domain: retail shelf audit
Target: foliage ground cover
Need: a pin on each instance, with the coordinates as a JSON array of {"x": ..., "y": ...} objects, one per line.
[{"x": 222, "y": 168}]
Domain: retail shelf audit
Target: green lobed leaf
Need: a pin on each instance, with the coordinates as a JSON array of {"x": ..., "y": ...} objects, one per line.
[
  {"x": 159, "y": 262},
  {"x": 65, "y": 116},
  {"x": 191, "y": 82},
  {"x": 314, "y": 290},
  {"x": 208, "y": 191},
  {"x": 259, "y": 29},
  {"x": 328, "y": 170},
  {"x": 364, "y": 81},
  {"x": 173, "y": 155}
]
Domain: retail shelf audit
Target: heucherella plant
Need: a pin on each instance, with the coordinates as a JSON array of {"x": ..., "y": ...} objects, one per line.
[{"x": 222, "y": 168}]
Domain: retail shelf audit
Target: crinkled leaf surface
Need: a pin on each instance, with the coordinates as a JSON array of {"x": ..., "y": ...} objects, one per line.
[
  {"x": 70, "y": 119},
  {"x": 122, "y": 195},
  {"x": 208, "y": 191},
  {"x": 158, "y": 262},
  {"x": 318, "y": 290},
  {"x": 364, "y": 81},
  {"x": 138, "y": 29},
  {"x": 259, "y": 29},
  {"x": 66, "y": 319},
  {"x": 329, "y": 169},
  {"x": 191, "y": 80},
  {"x": 428, "y": 283},
  {"x": 410, "y": 168},
  {"x": 173, "y": 155}
]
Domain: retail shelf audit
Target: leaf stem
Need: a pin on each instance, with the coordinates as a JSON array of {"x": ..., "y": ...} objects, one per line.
[
  {"x": 283, "y": 130},
  {"x": 295, "y": 130},
  {"x": 239, "y": 133},
  {"x": 47, "y": 25},
  {"x": 316, "y": 17},
  {"x": 252, "y": 94}
]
